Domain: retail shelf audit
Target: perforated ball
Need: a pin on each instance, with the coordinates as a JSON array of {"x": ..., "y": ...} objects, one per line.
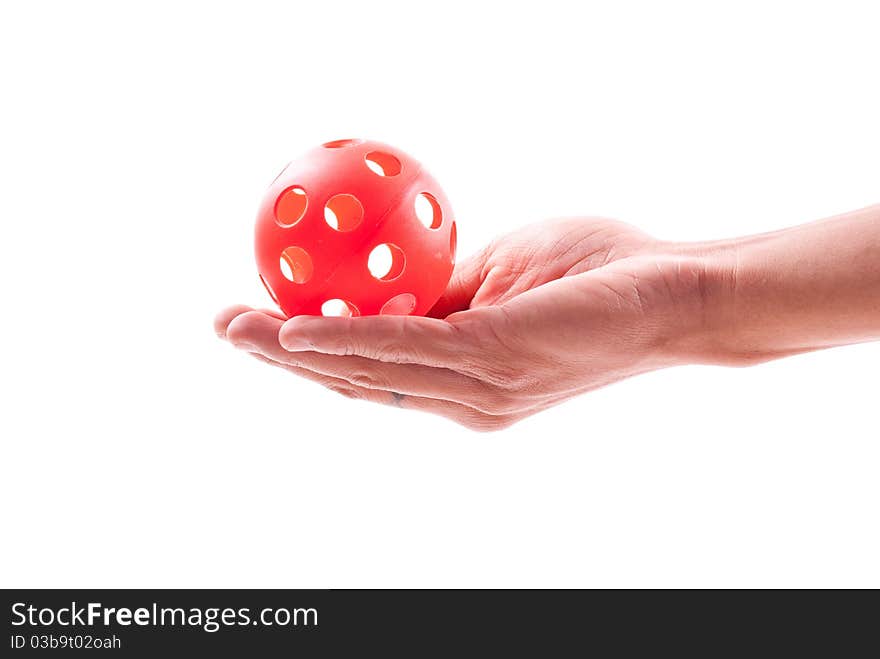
[{"x": 355, "y": 227}]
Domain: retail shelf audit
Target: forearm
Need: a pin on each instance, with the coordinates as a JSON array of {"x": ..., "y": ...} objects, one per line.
[{"x": 795, "y": 290}]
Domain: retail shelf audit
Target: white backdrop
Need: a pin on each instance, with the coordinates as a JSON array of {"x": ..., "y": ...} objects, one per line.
[{"x": 138, "y": 450}]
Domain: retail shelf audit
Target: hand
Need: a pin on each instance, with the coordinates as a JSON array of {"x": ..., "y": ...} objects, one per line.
[{"x": 536, "y": 318}]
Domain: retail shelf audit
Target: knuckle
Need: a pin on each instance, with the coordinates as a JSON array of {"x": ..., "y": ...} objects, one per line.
[
  {"x": 367, "y": 380},
  {"x": 393, "y": 353},
  {"x": 338, "y": 346},
  {"x": 519, "y": 382},
  {"x": 344, "y": 391},
  {"x": 485, "y": 423},
  {"x": 497, "y": 357},
  {"x": 504, "y": 377}
]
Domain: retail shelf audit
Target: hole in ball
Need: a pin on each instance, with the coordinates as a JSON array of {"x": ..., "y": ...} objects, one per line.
[
  {"x": 296, "y": 265},
  {"x": 343, "y": 212},
  {"x": 386, "y": 262},
  {"x": 290, "y": 206},
  {"x": 428, "y": 210},
  {"x": 399, "y": 305},
  {"x": 341, "y": 144},
  {"x": 453, "y": 242},
  {"x": 383, "y": 164},
  {"x": 337, "y": 307}
]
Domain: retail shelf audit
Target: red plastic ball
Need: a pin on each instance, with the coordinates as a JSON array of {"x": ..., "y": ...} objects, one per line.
[{"x": 355, "y": 228}]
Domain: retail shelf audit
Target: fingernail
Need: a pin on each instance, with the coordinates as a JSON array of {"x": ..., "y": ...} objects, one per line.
[{"x": 245, "y": 346}]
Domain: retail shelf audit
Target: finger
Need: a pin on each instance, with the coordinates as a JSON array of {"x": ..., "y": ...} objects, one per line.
[
  {"x": 461, "y": 414},
  {"x": 394, "y": 339},
  {"x": 463, "y": 285},
  {"x": 334, "y": 384},
  {"x": 408, "y": 379},
  {"x": 258, "y": 332},
  {"x": 222, "y": 319}
]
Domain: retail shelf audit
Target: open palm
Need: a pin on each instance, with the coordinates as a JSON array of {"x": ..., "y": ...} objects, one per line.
[{"x": 535, "y": 318}]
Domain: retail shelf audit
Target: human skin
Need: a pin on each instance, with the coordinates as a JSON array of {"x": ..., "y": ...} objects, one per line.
[{"x": 570, "y": 305}]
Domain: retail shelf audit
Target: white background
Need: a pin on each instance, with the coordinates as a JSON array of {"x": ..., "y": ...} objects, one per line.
[{"x": 138, "y": 450}]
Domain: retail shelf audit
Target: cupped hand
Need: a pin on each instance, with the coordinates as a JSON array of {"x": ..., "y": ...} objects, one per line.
[{"x": 537, "y": 317}]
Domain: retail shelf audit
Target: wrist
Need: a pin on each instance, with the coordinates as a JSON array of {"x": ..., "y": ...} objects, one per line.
[
  {"x": 705, "y": 329},
  {"x": 743, "y": 296},
  {"x": 686, "y": 292},
  {"x": 749, "y": 300}
]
